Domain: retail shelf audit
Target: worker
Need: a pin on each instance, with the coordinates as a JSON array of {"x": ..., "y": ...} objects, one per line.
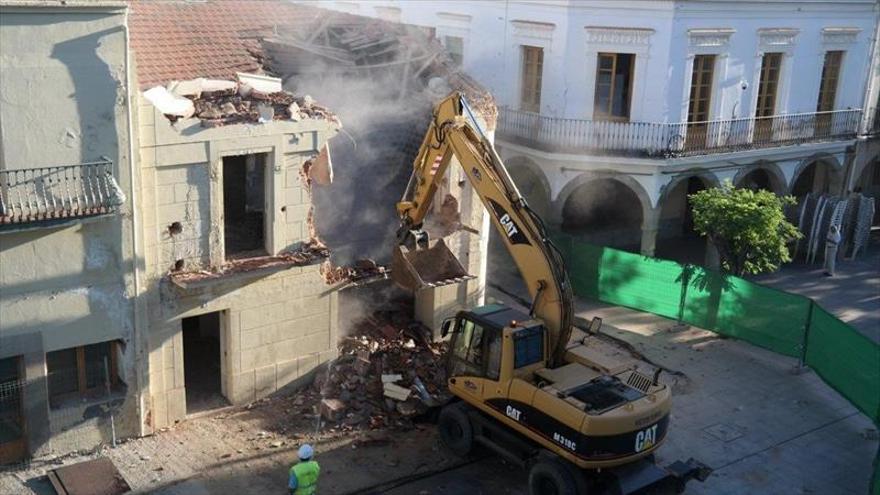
[
  {"x": 304, "y": 474},
  {"x": 832, "y": 241}
]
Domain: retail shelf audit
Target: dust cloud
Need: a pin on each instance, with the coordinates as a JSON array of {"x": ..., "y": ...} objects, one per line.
[{"x": 372, "y": 158}]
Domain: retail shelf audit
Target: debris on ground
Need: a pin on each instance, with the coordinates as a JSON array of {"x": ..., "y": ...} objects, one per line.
[{"x": 388, "y": 372}]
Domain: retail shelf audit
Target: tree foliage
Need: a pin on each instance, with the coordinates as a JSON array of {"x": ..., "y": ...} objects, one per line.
[{"x": 747, "y": 227}]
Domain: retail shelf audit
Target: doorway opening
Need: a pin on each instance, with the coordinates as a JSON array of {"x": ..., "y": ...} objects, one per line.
[
  {"x": 244, "y": 198},
  {"x": 13, "y": 438},
  {"x": 202, "y": 363}
]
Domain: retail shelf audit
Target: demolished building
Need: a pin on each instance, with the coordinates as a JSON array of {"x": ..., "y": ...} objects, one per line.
[
  {"x": 171, "y": 240},
  {"x": 240, "y": 237}
]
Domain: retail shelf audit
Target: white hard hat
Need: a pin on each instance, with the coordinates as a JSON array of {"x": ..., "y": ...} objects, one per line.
[{"x": 306, "y": 452}]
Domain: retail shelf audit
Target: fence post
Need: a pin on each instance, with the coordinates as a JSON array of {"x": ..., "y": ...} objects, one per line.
[{"x": 803, "y": 360}]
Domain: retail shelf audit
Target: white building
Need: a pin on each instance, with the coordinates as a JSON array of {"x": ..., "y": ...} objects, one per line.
[{"x": 612, "y": 111}]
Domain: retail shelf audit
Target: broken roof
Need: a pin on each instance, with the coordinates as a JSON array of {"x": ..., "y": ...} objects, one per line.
[{"x": 180, "y": 40}]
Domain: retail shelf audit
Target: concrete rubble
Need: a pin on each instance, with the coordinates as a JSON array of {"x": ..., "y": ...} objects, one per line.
[
  {"x": 388, "y": 372},
  {"x": 251, "y": 99}
]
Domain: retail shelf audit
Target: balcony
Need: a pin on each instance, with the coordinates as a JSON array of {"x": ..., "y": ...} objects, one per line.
[
  {"x": 665, "y": 140},
  {"x": 36, "y": 197}
]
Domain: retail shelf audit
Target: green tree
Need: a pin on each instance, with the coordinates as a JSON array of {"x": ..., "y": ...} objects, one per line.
[{"x": 747, "y": 227}]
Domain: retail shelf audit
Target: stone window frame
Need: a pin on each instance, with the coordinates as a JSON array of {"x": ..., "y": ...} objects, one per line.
[
  {"x": 388, "y": 13},
  {"x": 707, "y": 41},
  {"x": 774, "y": 40},
  {"x": 835, "y": 38},
  {"x": 601, "y": 39},
  {"x": 274, "y": 221},
  {"x": 457, "y": 26},
  {"x": 529, "y": 33}
]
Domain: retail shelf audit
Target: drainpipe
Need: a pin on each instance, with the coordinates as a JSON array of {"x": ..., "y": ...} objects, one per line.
[{"x": 135, "y": 234}]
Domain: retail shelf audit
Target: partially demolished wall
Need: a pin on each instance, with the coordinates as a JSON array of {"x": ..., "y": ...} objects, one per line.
[
  {"x": 383, "y": 79},
  {"x": 277, "y": 311},
  {"x": 277, "y": 321}
]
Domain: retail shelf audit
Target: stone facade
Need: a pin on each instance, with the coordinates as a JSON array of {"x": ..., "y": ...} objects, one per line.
[{"x": 274, "y": 327}]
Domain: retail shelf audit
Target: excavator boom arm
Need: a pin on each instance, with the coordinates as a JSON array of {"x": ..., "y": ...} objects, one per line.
[{"x": 455, "y": 132}]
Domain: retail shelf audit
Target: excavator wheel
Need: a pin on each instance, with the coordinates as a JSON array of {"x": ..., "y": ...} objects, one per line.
[
  {"x": 552, "y": 476},
  {"x": 455, "y": 428}
]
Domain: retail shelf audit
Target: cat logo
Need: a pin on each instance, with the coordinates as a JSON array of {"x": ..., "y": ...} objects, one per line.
[
  {"x": 513, "y": 412},
  {"x": 646, "y": 438},
  {"x": 511, "y": 229},
  {"x": 508, "y": 225}
]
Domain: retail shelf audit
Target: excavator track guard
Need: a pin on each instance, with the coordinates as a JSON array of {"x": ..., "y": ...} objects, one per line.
[{"x": 420, "y": 267}]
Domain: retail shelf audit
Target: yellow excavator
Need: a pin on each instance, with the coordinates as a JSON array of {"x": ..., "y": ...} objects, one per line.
[{"x": 582, "y": 416}]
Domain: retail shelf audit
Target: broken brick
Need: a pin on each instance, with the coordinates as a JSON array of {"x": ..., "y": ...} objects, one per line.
[
  {"x": 396, "y": 392},
  {"x": 332, "y": 409}
]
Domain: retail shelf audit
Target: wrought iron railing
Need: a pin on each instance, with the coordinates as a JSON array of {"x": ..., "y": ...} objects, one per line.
[
  {"x": 674, "y": 139},
  {"x": 53, "y": 193}
]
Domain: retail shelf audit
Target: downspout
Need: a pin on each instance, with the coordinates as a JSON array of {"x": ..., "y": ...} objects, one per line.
[{"x": 135, "y": 237}]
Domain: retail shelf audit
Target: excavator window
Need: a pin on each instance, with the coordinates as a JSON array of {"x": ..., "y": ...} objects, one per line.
[
  {"x": 476, "y": 350},
  {"x": 468, "y": 350},
  {"x": 528, "y": 346},
  {"x": 493, "y": 363}
]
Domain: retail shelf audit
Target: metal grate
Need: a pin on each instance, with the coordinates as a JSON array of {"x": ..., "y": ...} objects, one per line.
[
  {"x": 639, "y": 381},
  {"x": 52, "y": 193}
]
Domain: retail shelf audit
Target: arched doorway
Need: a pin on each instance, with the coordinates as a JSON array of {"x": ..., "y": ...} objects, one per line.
[
  {"x": 868, "y": 184},
  {"x": 676, "y": 238},
  {"x": 606, "y": 212},
  {"x": 532, "y": 185},
  {"x": 758, "y": 179},
  {"x": 817, "y": 177}
]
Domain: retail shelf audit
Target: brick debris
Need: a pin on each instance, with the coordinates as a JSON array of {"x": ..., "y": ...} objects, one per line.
[{"x": 388, "y": 372}]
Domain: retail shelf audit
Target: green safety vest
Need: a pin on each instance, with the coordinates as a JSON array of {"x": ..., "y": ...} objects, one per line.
[{"x": 306, "y": 477}]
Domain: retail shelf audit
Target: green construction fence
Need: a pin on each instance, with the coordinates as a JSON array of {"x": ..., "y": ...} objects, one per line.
[{"x": 782, "y": 322}]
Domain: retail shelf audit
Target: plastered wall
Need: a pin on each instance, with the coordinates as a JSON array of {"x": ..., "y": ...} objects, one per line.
[{"x": 63, "y": 101}]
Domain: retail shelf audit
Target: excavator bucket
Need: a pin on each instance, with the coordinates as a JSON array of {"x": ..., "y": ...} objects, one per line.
[{"x": 423, "y": 268}]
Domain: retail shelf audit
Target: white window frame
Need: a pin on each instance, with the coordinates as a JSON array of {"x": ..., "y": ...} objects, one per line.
[
  {"x": 618, "y": 40},
  {"x": 530, "y": 33},
  {"x": 774, "y": 40},
  {"x": 714, "y": 41},
  {"x": 837, "y": 39},
  {"x": 456, "y": 25}
]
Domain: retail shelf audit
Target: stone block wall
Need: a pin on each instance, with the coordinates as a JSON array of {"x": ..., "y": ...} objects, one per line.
[{"x": 275, "y": 327}]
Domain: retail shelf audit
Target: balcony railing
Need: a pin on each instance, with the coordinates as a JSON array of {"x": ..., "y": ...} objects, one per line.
[
  {"x": 659, "y": 139},
  {"x": 57, "y": 193}
]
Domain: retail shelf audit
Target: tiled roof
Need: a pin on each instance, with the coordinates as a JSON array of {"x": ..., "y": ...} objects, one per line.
[{"x": 179, "y": 40}]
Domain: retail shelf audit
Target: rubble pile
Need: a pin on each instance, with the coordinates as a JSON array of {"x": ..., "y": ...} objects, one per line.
[
  {"x": 252, "y": 98},
  {"x": 234, "y": 106},
  {"x": 387, "y": 373}
]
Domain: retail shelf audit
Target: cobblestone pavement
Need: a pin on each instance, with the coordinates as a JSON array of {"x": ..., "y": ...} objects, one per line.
[{"x": 740, "y": 409}]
